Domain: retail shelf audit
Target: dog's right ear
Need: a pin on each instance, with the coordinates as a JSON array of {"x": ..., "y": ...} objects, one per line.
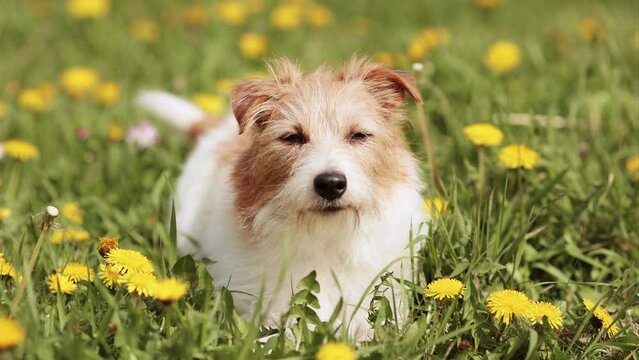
[{"x": 248, "y": 100}]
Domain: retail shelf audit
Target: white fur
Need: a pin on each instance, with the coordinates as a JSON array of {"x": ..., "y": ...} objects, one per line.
[{"x": 336, "y": 246}]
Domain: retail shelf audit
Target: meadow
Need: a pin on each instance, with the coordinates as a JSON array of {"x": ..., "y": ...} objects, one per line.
[{"x": 533, "y": 248}]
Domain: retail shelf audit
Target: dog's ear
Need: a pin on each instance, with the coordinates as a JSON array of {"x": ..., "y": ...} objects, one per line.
[
  {"x": 248, "y": 99},
  {"x": 388, "y": 86}
]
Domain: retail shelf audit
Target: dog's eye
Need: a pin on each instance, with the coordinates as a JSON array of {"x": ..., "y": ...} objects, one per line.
[
  {"x": 359, "y": 137},
  {"x": 293, "y": 139}
]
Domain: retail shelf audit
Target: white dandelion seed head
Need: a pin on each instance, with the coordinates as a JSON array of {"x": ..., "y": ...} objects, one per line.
[
  {"x": 418, "y": 67},
  {"x": 52, "y": 211}
]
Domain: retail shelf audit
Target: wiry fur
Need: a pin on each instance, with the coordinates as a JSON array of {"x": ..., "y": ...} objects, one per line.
[{"x": 247, "y": 201}]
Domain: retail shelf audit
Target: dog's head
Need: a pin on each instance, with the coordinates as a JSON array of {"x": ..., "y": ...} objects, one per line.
[{"x": 322, "y": 144}]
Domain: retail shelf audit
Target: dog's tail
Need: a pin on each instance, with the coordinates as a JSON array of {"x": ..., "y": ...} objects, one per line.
[{"x": 175, "y": 111}]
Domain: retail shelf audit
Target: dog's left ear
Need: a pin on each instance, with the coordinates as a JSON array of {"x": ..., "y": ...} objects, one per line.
[{"x": 388, "y": 86}]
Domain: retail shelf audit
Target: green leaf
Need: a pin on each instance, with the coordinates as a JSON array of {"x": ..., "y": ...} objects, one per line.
[{"x": 309, "y": 283}]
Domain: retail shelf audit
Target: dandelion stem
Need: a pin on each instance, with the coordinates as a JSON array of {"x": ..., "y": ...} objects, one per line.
[
  {"x": 428, "y": 145},
  {"x": 481, "y": 170},
  {"x": 500, "y": 333}
]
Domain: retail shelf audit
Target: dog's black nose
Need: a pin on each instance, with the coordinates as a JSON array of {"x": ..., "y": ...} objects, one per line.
[{"x": 330, "y": 185}]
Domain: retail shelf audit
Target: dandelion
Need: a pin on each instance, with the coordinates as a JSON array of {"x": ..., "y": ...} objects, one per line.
[
  {"x": 434, "y": 206},
  {"x": 144, "y": 30},
  {"x": 445, "y": 288},
  {"x": 385, "y": 57},
  {"x": 77, "y": 272},
  {"x": 8, "y": 271},
  {"x": 591, "y": 29},
  {"x": 224, "y": 86},
  {"x": 129, "y": 261},
  {"x": 62, "y": 284},
  {"x": 434, "y": 37},
  {"x": 601, "y": 318},
  {"x": 212, "y": 104},
  {"x": 79, "y": 80},
  {"x": 287, "y": 16},
  {"x": 417, "y": 50},
  {"x": 489, "y": 4},
  {"x": 20, "y": 150},
  {"x": 115, "y": 132},
  {"x": 231, "y": 12},
  {"x": 169, "y": 290},
  {"x": 483, "y": 134},
  {"x": 319, "y": 16},
  {"x": 72, "y": 212},
  {"x": 33, "y": 100},
  {"x": 88, "y": 9},
  {"x": 12, "y": 333},
  {"x": 109, "y": 276},
  {"x": 195, "y": 15},
  {"x": 140, "y": 283},
  {"x": 335, "y": 351},
  {"x": 504, "y": 304},
  {"x": 632, "y": 167},
  {"x": 70, "y": 234},
  {"x": 253, "y": 45},
  {"x": 48, "y": 90},
  {"x": 4, "y": 212},
  {"x": 503, "y": 56},
  {"x": 539, "y": 310},
  {"x": 107, "y": 243},
  {"x": 143, "y": 135},
  {"x": 518, "y": 156},
  {"x": 107, "y": 93}
]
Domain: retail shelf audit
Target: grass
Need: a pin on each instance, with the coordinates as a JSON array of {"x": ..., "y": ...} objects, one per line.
[{"x": 561, "y": 232}]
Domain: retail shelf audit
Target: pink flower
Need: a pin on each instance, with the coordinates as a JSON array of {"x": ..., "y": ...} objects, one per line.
[
  {"x": 143, "y": 135},
  {"x": 82, "y": 133}
]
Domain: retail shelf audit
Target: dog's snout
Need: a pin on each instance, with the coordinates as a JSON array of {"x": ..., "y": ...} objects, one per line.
[{"x": 330, "y": 185}]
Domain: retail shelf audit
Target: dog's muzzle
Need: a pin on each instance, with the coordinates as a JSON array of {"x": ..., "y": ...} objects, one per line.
[{"x": 330, "y": 185}]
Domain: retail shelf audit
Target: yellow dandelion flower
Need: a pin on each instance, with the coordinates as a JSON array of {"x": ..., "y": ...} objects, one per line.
[
  {"x": 144, "y": 29},
  {"x": 445, "y": 288},
  {"x": 70, "y": 234},
  {"x": 12, "y": 333},
  {"x": 434, "y": 206},
  {"x": 48, "y": 90},
  {"x": 503, "y": 56},
  {"x": 109, "y": 276},
  {"x": 72, "y": 212},
  {"x": 591, "y": 29},
  {"x": 518, "y": 156},
  {"x": 287, "y": 16},
  {"x": 602, "y": 317},
  {"x": 335, "y": 351},
  {"x": 4, "y": 213},
  {"x": 632, "y": 167},
  {"x": 20, "y": 149},
  {"x": 504, "y": 304},
  {"x": 195, "y": 15},
  {"x": 62, "y": 284},
  {"x": 253, "y": 45},
  {"x": 107, "y": 93},
  {"x": 483, "y": 134},
  {"x": 488, "y": 3},
  {"x": 3, "y": 109},
  {"x": 385, "y": 57},
  {"x": 88, "y": 9},
  {"x": 169, "y": 290},
  {"x": 115, "y": 133},
  {"x": 107, "y": 243},
  {"x": 539, "y": 310},
  {"x": 7, "y": 270},
  {"x": 231, "y": 12},
  {"x": 34, "y": 100},
  {"x": 79, "y": 80},
  {"x": 434, "y": 37},
  {"x": 319, "y": 16},
  {"x": 127, "y": 261},
  {"x": 77, "y": 272},
  {"x": 140, "y": 283},
  {"x": 213, "y": 104},
  {"x": 224, "y": 86},
  {"x": 417, "y": 50}
]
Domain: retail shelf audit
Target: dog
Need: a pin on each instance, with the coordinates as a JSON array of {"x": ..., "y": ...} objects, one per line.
[{"x": 309, "y": 172}]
